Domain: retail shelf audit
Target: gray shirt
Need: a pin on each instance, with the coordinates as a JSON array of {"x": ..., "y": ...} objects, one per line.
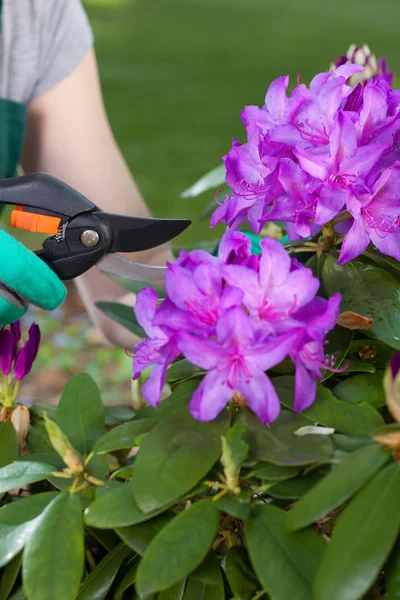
[{"x": 41, "y": 42}]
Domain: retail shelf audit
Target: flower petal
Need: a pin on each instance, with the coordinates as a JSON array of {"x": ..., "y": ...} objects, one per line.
[
  {"x": 305, "y": 388},
  {"x": 211, "y": 397},
  {"x": 261, "y": 396},
  {"x": 355, "y": 242}
]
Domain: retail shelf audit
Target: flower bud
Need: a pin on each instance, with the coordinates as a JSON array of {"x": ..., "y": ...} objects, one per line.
[
  {"x": 27, "y": 354},
  {"x": 352, "y": 320},
  {"x": 391, "y": 384},
  {"x": 362, "y": 55},
  {"x": 62, "y": 446},
  {"x": 20, "y": 418},
  {"x": 8, "y": 348}
]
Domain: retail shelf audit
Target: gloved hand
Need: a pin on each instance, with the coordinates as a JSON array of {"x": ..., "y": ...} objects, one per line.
[{"x": 23, "y": 273}]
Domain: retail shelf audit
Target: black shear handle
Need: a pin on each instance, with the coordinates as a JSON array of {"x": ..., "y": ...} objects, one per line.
[{"x": 45, "y": 194}]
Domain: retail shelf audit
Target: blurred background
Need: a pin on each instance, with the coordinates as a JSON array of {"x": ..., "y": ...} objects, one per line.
[{"x": 175, "y": 76}]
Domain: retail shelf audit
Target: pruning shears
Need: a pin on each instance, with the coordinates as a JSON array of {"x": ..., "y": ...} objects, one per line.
[{"x": 81, "y": 234}]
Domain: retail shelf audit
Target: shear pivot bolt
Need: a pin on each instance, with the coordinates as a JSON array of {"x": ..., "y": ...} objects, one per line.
[{"x": 90, "y": 238}]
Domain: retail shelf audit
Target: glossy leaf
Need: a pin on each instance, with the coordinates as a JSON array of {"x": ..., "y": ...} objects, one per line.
[
  {"x": 339, "y": 340},
  {"x": 175, "y": 592},
  {"x": 174, "y": 457},
  {"x": 97, "y": 585},
  {"x": 348, "y": 443},
  {"x": 180, "y": 397},
  {"x": 122, "y": 314},
  {"x": 115, "y": 508},
  {"x": 54, "y": 554},
  {"x": 358, "y": 419},
  {"x": 285, "y": 563},
  {"x": 369, "y": 291},
  {"x": 294, "y": 488},
  {"x": 179, "y": 548},
  {"x": 352, "y": 473},
  {"x": 239, "y": 573},
  {"x": 21, "y": 473},
  {"x": 206, "y": 582},
  {"x": 236, "y": 506},
  {"x": 17, "y": 521},
  {"x": 135, "y": 286},
  {"x": 268, "y": 472},
  {"x": 209, "y": 181},
  {"x": 278, "y": 443},
  {"x": 388, "y": 263},
  {"x": 138, "y": 537},
  {"x": 123, "y": 436},
  {"x": 9, "y": 576},
  {"x": 126, "y": 578},
  {"x": 80, "y": 413},
  {"x": 181, "y": 369},
  {"x": 365, "y": 387},
  {"x": 393, "y": 574},
  {"x": 362, "y": 538},
  {"x": 8, "y": 443}
]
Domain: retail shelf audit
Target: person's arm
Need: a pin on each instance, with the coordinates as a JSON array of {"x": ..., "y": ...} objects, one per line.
[{"x": 69, "y": 136}]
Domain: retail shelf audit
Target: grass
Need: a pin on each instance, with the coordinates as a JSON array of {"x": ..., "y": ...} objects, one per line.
[{"x": 176, "y": 74}]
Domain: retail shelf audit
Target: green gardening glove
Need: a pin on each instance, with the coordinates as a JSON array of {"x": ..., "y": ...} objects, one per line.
[{"x": 23, "y": 273}]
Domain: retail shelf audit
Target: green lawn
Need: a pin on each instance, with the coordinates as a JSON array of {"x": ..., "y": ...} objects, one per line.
[{"x": 176, "y": 74}]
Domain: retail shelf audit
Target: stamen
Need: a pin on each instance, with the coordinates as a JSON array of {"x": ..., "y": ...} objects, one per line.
[{"x": 382, "y": 224}]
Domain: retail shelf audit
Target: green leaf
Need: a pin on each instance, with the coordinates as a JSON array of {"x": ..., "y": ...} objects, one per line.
[
  {"x": 54, "y": 553},
  {"x": 339, "y": 340},
  {"x": 178, "y": 548},
  {"x": 122, "y": 314},
  {"x": 180, "y": 397},
  {"x": 138, "y": 537},
  {"x": 359, "y": 419},
  {"x": 174, "y": 593},
  {"x": 359, "y": 366},
  {"x": 80, "y": 413},
  {"x": 210, "y": 180},
  {"x": 348, "y": 443},
  {"x": 278, "y": 443},
  {"x": 123, "y": 436},
  {"x": 116, "y": 415},
  {"x": 17, "y": 521},
  {"x": 100, "y": 580},
  {"x": 9, "y": 576},
  {"x": 369, "y": 291},
  {"x": 352, "y": 473},
  {"x": 388, "y": 263},
  {"x": 38, "y": 440},
  {"x": 8, "y": 443},
  {"x": 236, "y": 506},
  {"x": 174, "y": 457},
  {"x": 206, "y": 582},
  {"x": 268, "y": 472},
  {"x": 21, "y": 473},
  {"x": 294, "y": 488},
  {"x": 180, "y": 370},
  {"x": 362, "y": 539},
  {"x": 393, "y": 573},
  {"x": 366, "y": 387},
  {"x": 240, "y": 574},
  {"x": 126, "y": 578},
  {"x": 285, "y": 563},
  {"x": 107, "y": 538},
  {"x": 115, "y": 508}
]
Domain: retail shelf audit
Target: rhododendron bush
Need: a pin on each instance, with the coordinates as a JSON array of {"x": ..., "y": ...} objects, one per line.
[{"x": 261, "y": 456}]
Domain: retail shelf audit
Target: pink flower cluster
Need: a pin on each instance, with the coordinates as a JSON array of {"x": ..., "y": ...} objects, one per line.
[
  {"x": 235, "y": 316},
  {"x": 329, "y": 153}
]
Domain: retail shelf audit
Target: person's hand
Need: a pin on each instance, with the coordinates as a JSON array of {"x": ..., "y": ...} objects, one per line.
[{"x": 24, "y": 274}]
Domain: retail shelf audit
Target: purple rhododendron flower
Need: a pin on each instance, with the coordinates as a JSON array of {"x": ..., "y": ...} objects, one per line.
[
  {"x": 27, "y": 354},
  {"x": 236, "y": 316},
  {"x": 328, "y": 153}
]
